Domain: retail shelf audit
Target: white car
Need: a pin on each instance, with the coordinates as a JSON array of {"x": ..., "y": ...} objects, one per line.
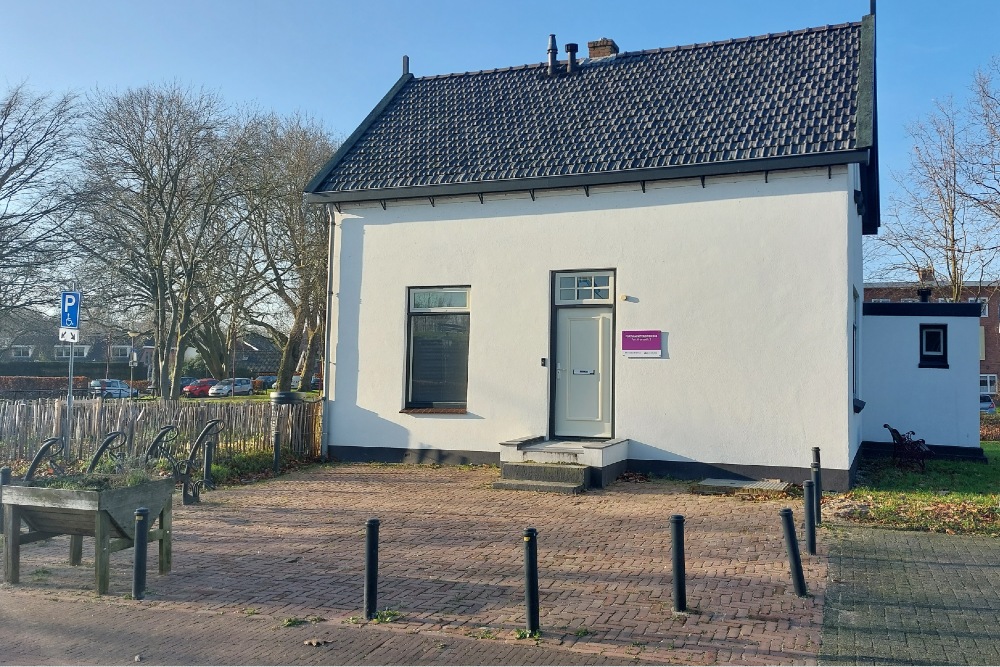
[
  {"x": 242, "y": 387},
  {"x": 109, "y": 388}
]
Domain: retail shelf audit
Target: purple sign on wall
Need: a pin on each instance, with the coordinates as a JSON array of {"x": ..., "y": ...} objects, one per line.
[{"x": 641, "y": 344}]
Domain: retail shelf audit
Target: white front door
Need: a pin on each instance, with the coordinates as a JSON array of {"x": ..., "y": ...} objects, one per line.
[{"x": 583, "y": 356}]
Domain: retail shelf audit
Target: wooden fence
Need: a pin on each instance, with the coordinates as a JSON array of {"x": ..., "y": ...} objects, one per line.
[{"x": 24, "y": 425}]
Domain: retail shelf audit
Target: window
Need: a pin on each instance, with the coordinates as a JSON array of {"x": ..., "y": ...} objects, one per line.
[
  {"x": 881, "y": 301},
  {"x": 79, "y": 351},
  {"x": 21, "y": 351},
  {"x": 933, "y": 346},
  {"x": 120, "y": 351},
  {"x": 438, "y": 354},
  {"x": 988, "y": 384},
  {"x": 945, "y": 299},
  {"x": 584, "y": 288},
  {"x": 909, "y": 300},
  {"x": 984, "y": 305}
]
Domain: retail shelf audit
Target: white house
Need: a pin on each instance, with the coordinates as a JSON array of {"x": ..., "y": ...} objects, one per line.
[{"x": 647, "y": 260}]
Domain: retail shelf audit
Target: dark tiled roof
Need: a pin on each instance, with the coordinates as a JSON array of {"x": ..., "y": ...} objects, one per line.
[{"x": 789, "y": 94}]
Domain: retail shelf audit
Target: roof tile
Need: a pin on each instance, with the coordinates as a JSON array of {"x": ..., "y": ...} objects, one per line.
[{"x": 788, "y": 94}]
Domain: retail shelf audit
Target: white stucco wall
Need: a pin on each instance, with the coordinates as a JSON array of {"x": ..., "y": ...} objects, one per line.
[
  {"x": 940, "y": 404},
  {"x": 750, "y": 281}
]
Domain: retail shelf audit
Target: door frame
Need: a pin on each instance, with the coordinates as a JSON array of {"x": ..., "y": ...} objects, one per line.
[{"x": 554, "y": 341}]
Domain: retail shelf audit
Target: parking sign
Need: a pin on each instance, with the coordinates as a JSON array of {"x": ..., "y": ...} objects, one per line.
[{"x": 70, "y": 310}]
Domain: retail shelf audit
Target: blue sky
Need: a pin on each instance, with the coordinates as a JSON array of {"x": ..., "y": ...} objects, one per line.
[{"x": 334, "y": 60}]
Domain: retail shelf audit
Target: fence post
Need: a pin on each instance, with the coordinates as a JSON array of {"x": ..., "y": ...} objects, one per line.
[
  {"x": 371, "y": 568},
  {"x": 792, "y": 546},
  {"x": 531, "y": 579},
  {"x": 677, "y": 551},
  {"x": 139, "y": 553},
  {"x": 810, "y": 512}
]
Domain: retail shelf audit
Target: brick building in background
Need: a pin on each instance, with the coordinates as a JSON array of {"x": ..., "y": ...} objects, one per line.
[{"x": 986, "y": 294}]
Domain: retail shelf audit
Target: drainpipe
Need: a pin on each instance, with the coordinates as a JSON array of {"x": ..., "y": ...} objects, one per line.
[{"x": 327, "y": 348}]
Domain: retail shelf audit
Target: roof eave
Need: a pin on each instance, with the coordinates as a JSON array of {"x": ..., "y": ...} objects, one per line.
[{"x": 859, "y": 156}]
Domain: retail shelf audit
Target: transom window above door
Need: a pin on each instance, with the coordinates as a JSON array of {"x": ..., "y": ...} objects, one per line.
[{"x": 585, "y": 287}]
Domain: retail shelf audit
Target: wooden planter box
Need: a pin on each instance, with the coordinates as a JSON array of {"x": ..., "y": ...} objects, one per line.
[{"x": 107, "y": 516}]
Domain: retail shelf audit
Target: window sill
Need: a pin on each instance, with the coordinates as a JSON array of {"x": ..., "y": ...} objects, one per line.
[
  {"x": 433, "y": 411},
  {"x": 931, "y": 365}
]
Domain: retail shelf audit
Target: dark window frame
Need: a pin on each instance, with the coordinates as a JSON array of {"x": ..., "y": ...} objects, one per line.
[
  {"x": 933, "y": 359},
  {"x": 425, "y": 404}
]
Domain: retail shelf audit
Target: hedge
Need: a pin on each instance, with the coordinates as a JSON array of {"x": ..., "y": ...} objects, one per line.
[{"x": 29, "y": 383}]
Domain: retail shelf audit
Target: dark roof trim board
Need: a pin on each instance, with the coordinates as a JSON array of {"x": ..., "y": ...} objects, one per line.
[
  {"x": 601, "y": 178},
  {"x": 867, "y": 120},
  {"x": 348, "y": 144},
  {"x": 921, "y": 309}
]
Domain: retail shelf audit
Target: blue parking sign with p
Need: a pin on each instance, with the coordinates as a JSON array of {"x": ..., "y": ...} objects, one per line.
[{"x": 70, "y": 310}]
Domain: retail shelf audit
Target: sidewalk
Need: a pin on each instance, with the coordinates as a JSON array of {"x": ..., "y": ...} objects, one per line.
[
  {"x": 248, "y": 558},
  {"x": 908, "y": 598}
]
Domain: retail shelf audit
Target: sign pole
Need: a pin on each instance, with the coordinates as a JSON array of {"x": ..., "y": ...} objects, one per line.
[
  {"x": 69, "y": 404},
  {"x": 69, "y": 331}
]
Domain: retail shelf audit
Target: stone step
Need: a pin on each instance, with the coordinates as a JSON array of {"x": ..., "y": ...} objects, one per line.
[
  {"x": 538, "y": 485},
  {"x": 566, "y": 473}
]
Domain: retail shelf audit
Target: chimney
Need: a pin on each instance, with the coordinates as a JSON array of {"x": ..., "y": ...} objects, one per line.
[
  {"x": 602, "y": 48},
  {"x": 553, "y": 53},
  {"x": 571, "y": 50},
  {"x": 925, "y": 275},
  {"x": 924, "y": 294}
]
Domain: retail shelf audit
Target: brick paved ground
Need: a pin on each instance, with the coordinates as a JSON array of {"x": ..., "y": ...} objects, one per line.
[
  {"x": 907, "y": 598},
  {"x": 450, "y": 561}
]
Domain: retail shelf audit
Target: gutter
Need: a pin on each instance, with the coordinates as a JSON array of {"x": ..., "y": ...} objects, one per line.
[{"x": 858, "y": 156}]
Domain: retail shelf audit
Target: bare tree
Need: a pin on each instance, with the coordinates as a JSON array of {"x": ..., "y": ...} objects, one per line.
[
  {"x": 36, "y": 150},
  {"x": 935, "y": 228},
  {"x": 161, "y": 168},
  {"x": 290, "y": 242}
]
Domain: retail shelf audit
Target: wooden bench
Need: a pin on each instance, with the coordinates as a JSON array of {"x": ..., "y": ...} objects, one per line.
[{"x": 908, "y": 451}]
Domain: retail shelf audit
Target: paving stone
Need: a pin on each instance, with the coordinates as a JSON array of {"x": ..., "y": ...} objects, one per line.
[{"x": 451, "y": 562}]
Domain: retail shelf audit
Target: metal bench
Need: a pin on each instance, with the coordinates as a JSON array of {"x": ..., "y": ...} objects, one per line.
[
  {"x": 906, "y": 450},
  {"x": 199, "y": 458}
]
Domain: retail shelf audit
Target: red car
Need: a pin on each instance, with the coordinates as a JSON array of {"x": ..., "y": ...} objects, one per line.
[{"x": 199, "y": 388}]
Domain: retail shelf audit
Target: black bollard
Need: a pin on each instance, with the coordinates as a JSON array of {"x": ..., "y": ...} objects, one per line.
[
  {"x": 371, "y": 568},
  {"x": 531, "y": 579},
  {"x": 810, "y": 512},
  {"x": 4, "y": 480},
  {"x": 794, "y": 560},
  {"x": 677, "y": 551},
  {"x": 817, "y": 480},
  {"x": 816, "y": 455},
  {"x": 139, "y": 553},
  {"x": 209, "y": 459}
]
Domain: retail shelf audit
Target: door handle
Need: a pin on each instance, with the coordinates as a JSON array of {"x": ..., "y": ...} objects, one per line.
[{"x": 577, "y": 371}]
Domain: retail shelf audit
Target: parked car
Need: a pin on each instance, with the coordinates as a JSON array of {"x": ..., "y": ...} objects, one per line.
[
  {"x": 317, "y": 382},
  {"x": 199, "y": 388},
  {"x": 266, "y": 381},
  {"x": 987, "y": 405},
  {"x": 109, "y": 388},
  {"x": 185, "y": 381},
  {"x": 232, "y": 387},
  {"x": 296, "y": 382}
]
